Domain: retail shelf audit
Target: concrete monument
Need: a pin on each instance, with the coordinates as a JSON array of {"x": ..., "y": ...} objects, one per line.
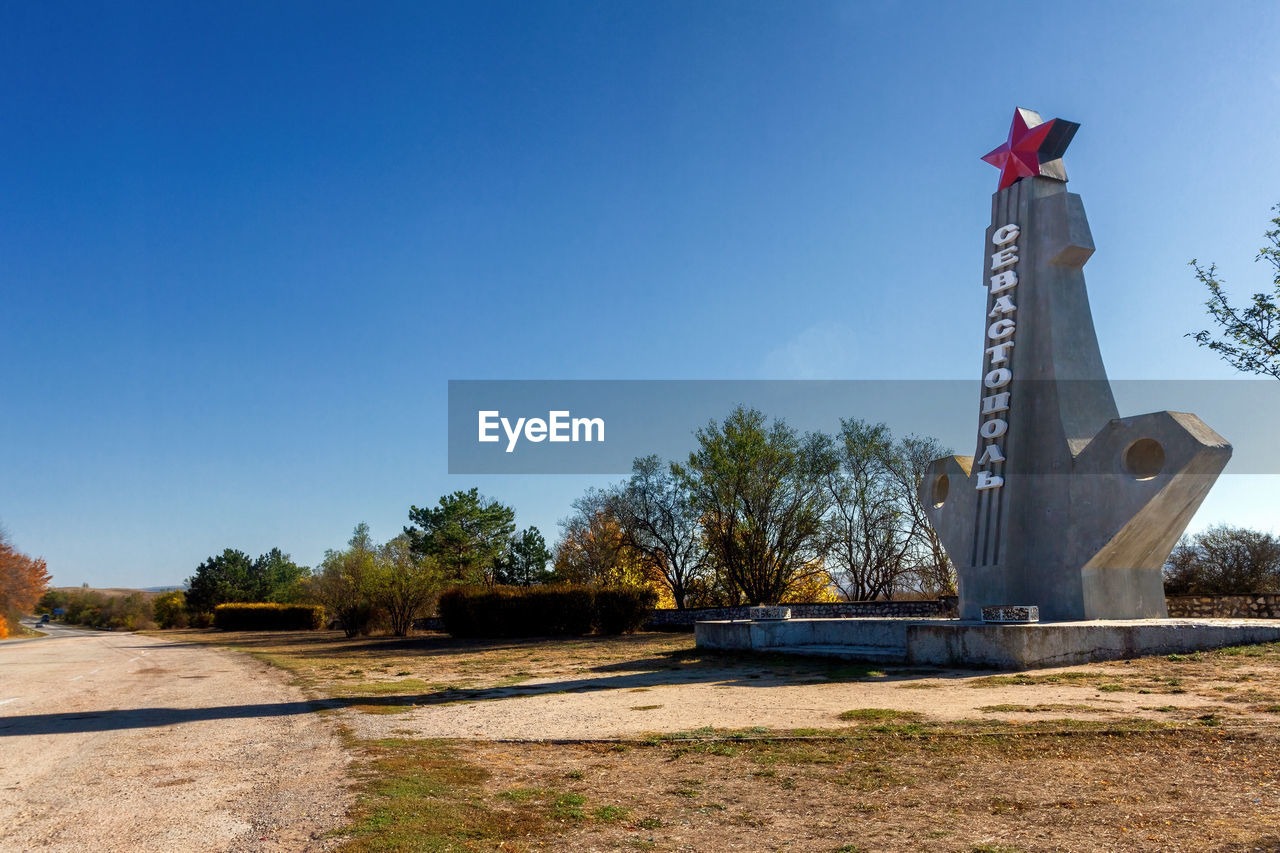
[
  {"x": 1061, "y": 521},
  {"x": 1065, "y": 506}
]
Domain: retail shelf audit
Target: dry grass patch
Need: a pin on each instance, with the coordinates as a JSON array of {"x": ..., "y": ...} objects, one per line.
[
  {"x": 1197, "y": 775},
  {"x": 1067, "y": 789},
  {"x": 328, "y": 660},
  {"x": 877, "y": 715}
]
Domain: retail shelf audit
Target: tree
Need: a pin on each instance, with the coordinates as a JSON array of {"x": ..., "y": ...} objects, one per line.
[
  {"x": 233, "y": 577},
  {"x": 466, "y": 533},
  {"x": 1224, "y": 560},
  {"x": 404, "y": 584},
  {"x": 525, "y": 563},
  {"x": 346, "y": 582},
  {"x": 221, "y": 579},
  {"x": 275, "y": 577},
  {"x": 712, "y": 588},
  {"x": 170, "y": 609},
  {"x": 758, "y": 491},
  {"x": 592, "y": 548},
  {"x": 808, "y": 587},
  {"x": 1250, "y": 337},
  {"x": 868, "y": 542},
  {"x": 23, "y": 580},
  {"x": 660, "y": 524},
  {"x": 930, "y": 570}
]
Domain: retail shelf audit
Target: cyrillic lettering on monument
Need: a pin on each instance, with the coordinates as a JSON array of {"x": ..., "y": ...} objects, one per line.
[{"x": 993, "y": 422}]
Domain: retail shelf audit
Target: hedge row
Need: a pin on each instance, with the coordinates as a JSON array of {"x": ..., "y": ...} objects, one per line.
[
  {"x": 544, "y": 611},
  {"x": 268, "y": 617}
]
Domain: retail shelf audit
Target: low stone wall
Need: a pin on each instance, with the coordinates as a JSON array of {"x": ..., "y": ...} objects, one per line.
[
  {"x": 1261, "y": 606},
  {"x": 683, "y": 620}
]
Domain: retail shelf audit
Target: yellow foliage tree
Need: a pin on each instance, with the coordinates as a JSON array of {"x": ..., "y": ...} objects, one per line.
[
  {"x": 593, "y": 551},
  {"x": 814, "y": 585},
  {"x": 23, "y": 580}
]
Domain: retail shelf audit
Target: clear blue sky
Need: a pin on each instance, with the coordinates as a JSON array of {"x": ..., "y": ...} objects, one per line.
[{"x": 243, "y": 246}]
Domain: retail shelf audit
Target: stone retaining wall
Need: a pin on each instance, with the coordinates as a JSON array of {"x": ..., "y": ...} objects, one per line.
[
  {"x": 683, "y": 620},
  {"x": 1261, "y": 606}
]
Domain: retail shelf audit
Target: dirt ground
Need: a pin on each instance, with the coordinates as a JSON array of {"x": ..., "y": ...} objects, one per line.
[
  {"x": 601, "y": 688},
  {"x": 644, "y": 742},
  {"x": 174, "y": 742},
  {"x": 132, "y": 743},
  {"x": 1124, "y": 792}
]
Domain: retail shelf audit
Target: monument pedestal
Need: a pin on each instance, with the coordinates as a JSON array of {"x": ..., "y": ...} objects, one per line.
[{"x": 970, "y": 644}]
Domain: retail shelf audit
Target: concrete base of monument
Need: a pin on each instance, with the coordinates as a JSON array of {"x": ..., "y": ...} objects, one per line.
[{"x": 956, "y": 643}]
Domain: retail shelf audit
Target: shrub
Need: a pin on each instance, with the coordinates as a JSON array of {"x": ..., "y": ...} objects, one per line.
[
  {"x": 623, "y": 609},
  {"x": 517, "y": 612},
  {"x": 127, "y": 613},
  {"x": 1224, "y": 560},
  {"x": 356, "y": 618},
  {"x": 553, "y": 610},
  {"x": 544, "y": 610},
  {"x": 268, "y": 617},
  {"x": 95, "y": 609},
  {"x": 171, "y": 609}
]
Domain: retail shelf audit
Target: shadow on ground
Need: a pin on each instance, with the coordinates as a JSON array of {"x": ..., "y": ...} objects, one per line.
[{"x": 686, "y": 667}]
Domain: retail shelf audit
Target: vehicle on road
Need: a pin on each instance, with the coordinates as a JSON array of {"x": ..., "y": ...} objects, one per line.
[{"x": 44, "y": 619}]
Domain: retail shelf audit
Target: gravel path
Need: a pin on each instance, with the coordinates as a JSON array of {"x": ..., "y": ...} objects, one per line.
[
  {"x": 131, "y": 743},
  {"x": 742, "y": 695}
]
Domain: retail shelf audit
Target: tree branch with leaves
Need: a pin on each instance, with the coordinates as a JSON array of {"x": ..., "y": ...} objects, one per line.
[{"x": 1249, "y": 337}]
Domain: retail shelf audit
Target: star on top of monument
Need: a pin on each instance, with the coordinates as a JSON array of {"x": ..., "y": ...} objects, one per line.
[{"x": 1034, "y": 147}]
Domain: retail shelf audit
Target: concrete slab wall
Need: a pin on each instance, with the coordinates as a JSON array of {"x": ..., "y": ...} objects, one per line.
[{"x": 929, "y": 642}]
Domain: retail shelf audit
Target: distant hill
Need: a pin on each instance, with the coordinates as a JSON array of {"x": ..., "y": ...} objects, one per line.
[{"x": 119, "y": 590}]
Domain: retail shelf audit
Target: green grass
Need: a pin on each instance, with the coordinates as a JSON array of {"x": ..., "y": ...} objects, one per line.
[
  {"x": 418, "y": 795},
  {"x": 1258, "y": 651},
  {"x": 522, "y": 795},
  {"x": 421, "y": 796},
  {"x": 1026, "y": 678},
  {"x": 568, "y": 807},
  {"x": 867, "y": 715},
  {"x": 610, "y": 814},
  {"x": 1042, "y": 708}
]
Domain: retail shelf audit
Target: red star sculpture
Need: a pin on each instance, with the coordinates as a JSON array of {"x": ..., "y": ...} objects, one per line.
[{"x": 1034, "y": 147}]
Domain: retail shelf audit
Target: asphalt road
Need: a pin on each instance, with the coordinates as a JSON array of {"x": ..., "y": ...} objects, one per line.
[{"x": 114, "y": 741}]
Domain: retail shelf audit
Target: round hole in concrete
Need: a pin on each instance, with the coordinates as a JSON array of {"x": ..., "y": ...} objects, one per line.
[
  {"x": 1143, "y": 459},
  {"x": 941, "y": 485}
]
